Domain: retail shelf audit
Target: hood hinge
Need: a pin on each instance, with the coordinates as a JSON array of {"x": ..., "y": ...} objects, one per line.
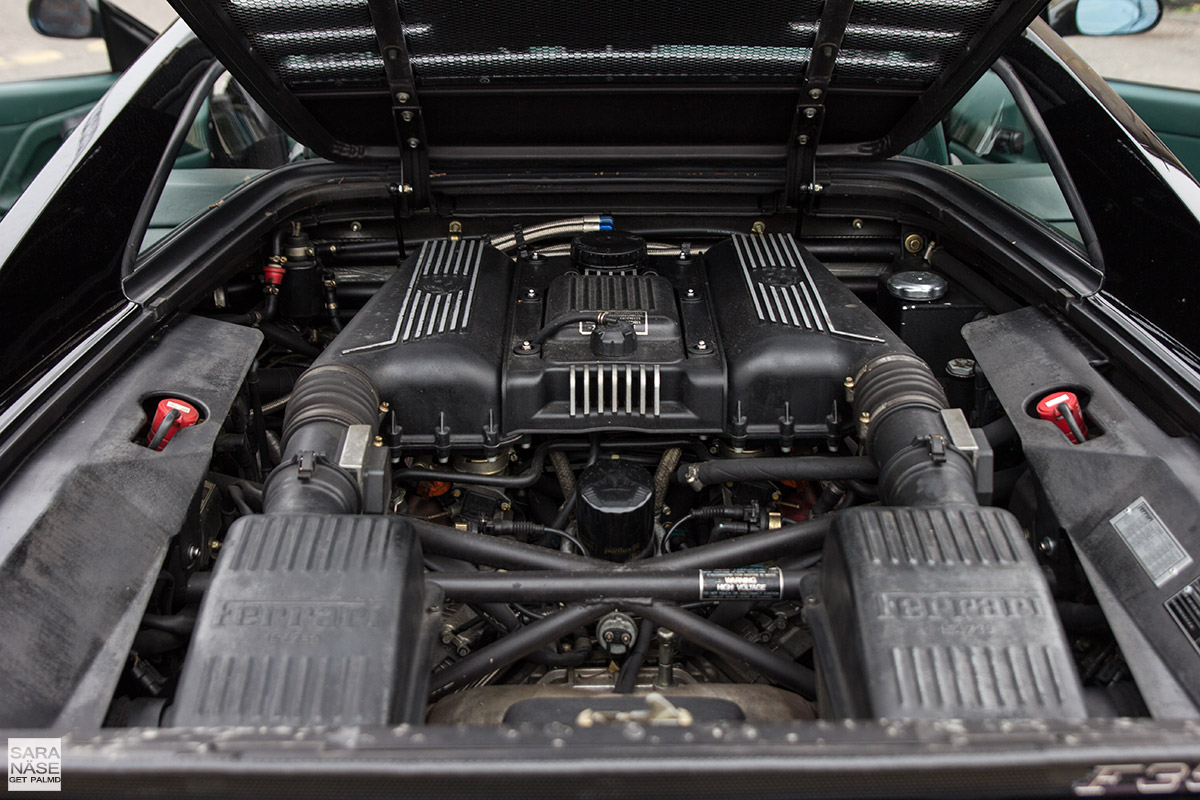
[
  {"x": 406, "y": 110},
  {"x": 810, "y": 111}
]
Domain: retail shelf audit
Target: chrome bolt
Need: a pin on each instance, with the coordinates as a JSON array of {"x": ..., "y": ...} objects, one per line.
[
  {"x": 526, "y": 345},
  {"x": 402, "y": 97},
  {"x": 355, "y": 227},
  {"x": 531, "y": 293},
  {"x": 413, "y": 142},
  {"x": 815, "y": 94},
  {"x": 857, "y": 224},
  {"x": 407, "y": 116},
  {"x": 809, "y": 113},
  {"x": 701, "y": 345},
  {"x": 802, "y": 139}
]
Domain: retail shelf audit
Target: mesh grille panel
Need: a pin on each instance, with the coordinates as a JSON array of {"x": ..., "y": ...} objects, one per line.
[
  {"x": 313, "y": 43},
  {"x": 907, "y": 41}
]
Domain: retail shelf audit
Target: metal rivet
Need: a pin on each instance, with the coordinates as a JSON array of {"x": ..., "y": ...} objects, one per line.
[
  {"x": 802, "y": 139},
  {"x": 355, "y": 227},
  {"x": 815, "y": 94},
  {"x": 810, "y": 112},
  {"x": 407, "y": 116},
  {"x": 402, "y": 97},
  {"x": 857, "y": 224},
  {"x": 414, "y": 142}
]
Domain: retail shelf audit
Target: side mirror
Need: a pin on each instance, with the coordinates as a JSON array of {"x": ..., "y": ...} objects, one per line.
[
  {"x": 65, "y": 19},
  {"x": 1105, "y": 17}
]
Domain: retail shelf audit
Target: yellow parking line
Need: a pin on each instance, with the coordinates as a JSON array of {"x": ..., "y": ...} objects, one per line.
[{"x": 37, "y": 57}]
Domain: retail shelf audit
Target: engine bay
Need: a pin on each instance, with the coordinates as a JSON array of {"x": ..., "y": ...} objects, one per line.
[{"x": 577, "y": 475}]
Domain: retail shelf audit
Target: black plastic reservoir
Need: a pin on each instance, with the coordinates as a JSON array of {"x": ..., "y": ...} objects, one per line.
[{"x": 615, "y": 509}]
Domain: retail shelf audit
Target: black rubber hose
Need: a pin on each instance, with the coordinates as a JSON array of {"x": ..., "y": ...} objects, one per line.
[
  {"x": 327, "y": 400},
  {"x": 515, "y": 646},
  {"x": 178, "y": 624},
  {"x": 557, "y": 325},
  {"x": 552, "y": 658},
  {"x": 288, "y": 340},
  {"x": 999, "y": 432},
  {"x": 627, "y": 678},
  {"x": 794, "y": 468},
  {"x": 725, "y": 643}
]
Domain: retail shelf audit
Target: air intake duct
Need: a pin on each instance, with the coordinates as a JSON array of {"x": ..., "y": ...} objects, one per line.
[
  {"x": 330, "y": 464},
  {"x": 898, "y": 404}
]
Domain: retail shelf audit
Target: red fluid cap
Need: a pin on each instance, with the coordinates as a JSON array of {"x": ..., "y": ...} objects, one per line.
[
  {"x": 186, "y": 417},
  {"x": 1048, "y": 409},
  {"x": 273, "y": 274}
]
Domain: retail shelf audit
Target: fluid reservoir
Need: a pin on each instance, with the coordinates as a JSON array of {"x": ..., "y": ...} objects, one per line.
[{"x": 615, "y": 509}]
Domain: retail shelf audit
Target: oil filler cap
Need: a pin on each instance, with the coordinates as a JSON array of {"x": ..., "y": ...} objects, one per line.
[{"x": 608, "y": 251}]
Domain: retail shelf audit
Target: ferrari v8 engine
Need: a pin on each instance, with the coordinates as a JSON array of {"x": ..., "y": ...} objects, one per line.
[{"x": 471, "y": 349}]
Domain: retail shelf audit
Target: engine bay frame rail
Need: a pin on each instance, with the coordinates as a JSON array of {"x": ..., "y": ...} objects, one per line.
[{"x": 911, "y": 759}]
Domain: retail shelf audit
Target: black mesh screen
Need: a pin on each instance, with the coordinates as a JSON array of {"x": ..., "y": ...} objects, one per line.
[
  {"x": 312, "y": 43},
  {"x": 907, "y": 41}
]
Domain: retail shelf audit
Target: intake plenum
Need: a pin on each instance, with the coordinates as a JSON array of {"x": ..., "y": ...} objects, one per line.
[
  {"x": 327, "y": 402},
  {"x": 898, "y": 404}
]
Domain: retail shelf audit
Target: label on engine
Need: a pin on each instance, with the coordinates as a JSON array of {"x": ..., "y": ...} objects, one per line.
[{"x": 750, "y": 583}]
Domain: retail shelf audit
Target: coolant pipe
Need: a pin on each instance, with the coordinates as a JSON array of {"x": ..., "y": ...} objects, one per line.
[{"x": 327, "y": 401}]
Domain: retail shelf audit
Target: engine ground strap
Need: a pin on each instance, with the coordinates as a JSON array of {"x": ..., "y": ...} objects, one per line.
[
  {"x": 810, "y": 111},
  {"x": 406, "y": 110}
]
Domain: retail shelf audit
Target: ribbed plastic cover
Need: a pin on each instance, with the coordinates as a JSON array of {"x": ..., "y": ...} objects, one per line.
[
  {"x": 309, "y": 620},
  {"x": 942, "y": 613}
]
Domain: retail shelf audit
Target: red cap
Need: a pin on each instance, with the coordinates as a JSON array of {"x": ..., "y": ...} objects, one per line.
[
  {"x": 1047, "y": 408},
  {"x": 273, "y": 274},
  {"x": 188, "y": 416}
]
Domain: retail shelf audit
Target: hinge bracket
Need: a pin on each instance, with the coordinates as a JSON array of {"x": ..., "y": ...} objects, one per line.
[
  {"x": 810, "y": 110},
  {"x": 406, "y": 110}
]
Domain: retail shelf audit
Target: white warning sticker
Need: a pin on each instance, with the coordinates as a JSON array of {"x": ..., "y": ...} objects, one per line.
[{"x": 1150, "y": 541}]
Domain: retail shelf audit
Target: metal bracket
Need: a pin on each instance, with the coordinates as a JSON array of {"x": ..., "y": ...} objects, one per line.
[
  {"x": 810, "y": 111},
  {"x": 406, "y": 111}
]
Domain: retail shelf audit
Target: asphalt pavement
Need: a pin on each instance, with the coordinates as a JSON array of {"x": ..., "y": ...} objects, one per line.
[{"x": 1168, "y": 55}]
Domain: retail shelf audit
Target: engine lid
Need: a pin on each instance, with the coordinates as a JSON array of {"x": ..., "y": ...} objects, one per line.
[{"x": 562, "y": 85}]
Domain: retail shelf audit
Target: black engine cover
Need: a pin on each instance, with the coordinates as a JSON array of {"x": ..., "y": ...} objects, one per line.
[{"x": 753, "y": 338}]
